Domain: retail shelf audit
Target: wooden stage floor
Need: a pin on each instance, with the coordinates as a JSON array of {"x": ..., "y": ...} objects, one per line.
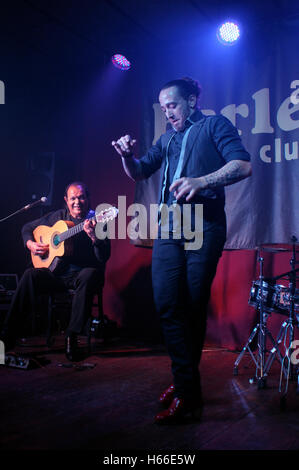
[{"x": 107, "y": 402}]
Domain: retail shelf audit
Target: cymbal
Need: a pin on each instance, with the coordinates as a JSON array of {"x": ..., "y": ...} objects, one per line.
[
  {"x": 271, "y": 249},
  {"x": 277, "y": 249}
]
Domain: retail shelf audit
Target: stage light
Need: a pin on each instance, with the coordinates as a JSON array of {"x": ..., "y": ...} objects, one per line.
[
  {"x": 121, "y": 62},
  {"x": 228, "y": 33}
]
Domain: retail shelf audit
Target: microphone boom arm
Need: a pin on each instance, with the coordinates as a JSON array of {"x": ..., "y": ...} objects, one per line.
[{"x": 42, "y": 200}]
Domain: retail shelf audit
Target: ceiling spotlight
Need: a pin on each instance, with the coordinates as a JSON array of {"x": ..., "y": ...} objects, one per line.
[
  {"x": 121, "y": 62},
  {"x": 228, "y": 33}
]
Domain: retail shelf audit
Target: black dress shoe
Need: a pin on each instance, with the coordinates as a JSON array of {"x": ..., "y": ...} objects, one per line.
[
  {"x": 179, "y": 411},
  {"x": 167, "y": 396},
  {"x": 71, "y": 347}
]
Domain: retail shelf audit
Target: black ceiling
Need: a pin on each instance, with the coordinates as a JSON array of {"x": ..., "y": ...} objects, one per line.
[{"x": 67, "y": 30}]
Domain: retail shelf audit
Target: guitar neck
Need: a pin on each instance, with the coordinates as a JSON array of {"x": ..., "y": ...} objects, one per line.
[{"x": 73, "y": 230}]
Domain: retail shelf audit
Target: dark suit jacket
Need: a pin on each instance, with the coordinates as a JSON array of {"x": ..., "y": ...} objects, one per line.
[{"x": 213, "y": 141}]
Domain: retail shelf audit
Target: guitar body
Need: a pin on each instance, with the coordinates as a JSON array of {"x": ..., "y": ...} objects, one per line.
[
  {"x": 58, "y": 238},
  {"x": 45, "y": 234}
]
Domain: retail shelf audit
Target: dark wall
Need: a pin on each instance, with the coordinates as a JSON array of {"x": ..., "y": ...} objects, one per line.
[
  {"x": 74, "y": 110},
  {"x": 38, "y": 116},
  {"x": 55, "y": 107}
]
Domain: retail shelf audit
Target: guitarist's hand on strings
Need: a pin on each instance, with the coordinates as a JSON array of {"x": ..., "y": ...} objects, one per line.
[
  {"x": 40, "y": 249},
  {"x": 89, "y": 228}
]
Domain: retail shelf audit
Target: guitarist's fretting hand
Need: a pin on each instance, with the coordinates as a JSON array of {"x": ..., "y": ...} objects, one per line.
[
  {"x": 89, "y": 228},
  {"x": 40, "y": 249}
]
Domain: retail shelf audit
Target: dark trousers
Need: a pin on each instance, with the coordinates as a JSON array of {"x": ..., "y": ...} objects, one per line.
[
  {"x": 181, "y": 284},
  {"x": 86, "y": 283}
]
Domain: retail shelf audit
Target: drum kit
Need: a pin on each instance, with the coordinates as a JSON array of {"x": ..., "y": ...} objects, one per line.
[{"x": 268, "y": 296}]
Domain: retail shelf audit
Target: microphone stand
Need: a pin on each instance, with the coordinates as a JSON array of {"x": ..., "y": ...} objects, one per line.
[{"x": 25, "y": 208}]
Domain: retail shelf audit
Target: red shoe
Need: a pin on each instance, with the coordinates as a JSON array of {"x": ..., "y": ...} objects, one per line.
[
  {"x": 167, "y": 396},
  {"x": 177, "y": 412}
]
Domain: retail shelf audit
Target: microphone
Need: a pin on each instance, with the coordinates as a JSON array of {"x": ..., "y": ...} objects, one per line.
[{"x": 40, "y": 201}]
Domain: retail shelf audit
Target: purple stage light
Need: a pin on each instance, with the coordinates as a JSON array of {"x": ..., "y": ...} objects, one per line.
[
  {"x": 228, "y": 33},
  {"x": 121, "y": 62}
]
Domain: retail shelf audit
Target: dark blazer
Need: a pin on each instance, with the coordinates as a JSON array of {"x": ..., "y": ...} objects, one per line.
[{"x": 212, "y": 142}]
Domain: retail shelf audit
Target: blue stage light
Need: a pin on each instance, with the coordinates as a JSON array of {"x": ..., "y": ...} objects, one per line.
[
  {"x": 228, "y": 33},
  {"x": 121, "y": 62}
]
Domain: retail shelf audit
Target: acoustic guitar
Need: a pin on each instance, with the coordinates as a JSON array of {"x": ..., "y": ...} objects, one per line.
[{"x": 57, "y": 237}]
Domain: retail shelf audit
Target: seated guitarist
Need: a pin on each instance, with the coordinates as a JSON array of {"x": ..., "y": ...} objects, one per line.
[{"x": 82, "y": 270}]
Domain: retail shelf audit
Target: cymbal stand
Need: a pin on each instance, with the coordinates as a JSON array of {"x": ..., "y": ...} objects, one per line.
[
  {"x": 287, "y": 335},
  {"x": 262, "y": 332}
]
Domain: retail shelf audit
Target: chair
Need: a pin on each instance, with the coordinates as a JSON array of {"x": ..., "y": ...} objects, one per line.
[{"x": 59, "y": 301}]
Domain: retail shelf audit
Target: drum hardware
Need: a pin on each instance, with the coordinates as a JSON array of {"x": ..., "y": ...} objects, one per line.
[
  {"x": 286, "y": 334},
  {"x": 262, "y": 293},
  {"x": 269, "y": 297},
  {"x": 273, "y": 248}
]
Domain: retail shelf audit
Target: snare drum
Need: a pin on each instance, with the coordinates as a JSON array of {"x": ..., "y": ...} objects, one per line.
[{"x": 266, "y": 293}]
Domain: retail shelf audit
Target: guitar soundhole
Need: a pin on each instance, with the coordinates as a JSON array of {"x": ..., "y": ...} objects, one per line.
[{"x": 56, "y": 240}]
